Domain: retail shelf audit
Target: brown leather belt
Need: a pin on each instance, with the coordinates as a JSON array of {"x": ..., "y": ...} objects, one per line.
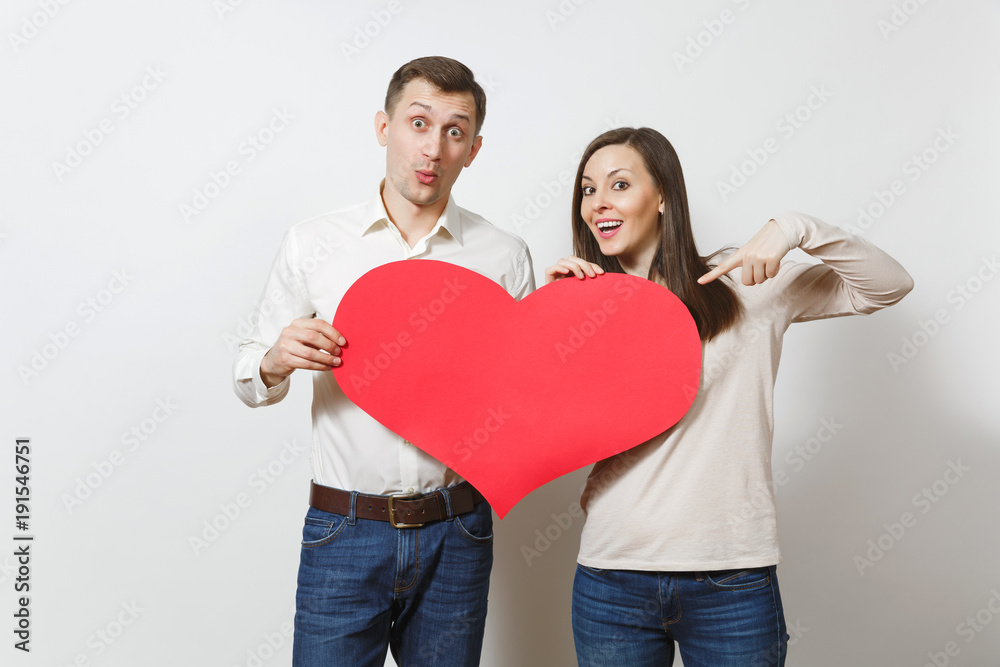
[{"x": 402, "y": 510}]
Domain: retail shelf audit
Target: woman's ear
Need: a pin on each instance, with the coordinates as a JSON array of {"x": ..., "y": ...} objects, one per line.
[{"x": 662, "y": 205}]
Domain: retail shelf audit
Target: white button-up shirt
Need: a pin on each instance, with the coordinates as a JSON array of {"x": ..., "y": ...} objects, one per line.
[{"x": 318, "y": 261}]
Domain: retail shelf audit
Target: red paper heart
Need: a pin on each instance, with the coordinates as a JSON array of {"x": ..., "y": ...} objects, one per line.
[{"x": 513, "y": 394}]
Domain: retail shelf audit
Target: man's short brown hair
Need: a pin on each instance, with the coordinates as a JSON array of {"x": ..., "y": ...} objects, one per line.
[{"x": 445, "y": 74}]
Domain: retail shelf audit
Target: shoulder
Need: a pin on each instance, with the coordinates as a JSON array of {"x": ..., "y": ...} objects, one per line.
[
  {"x": 333, "y": 229},
  {"x": 480, "y": 230},
  {"x": 351, "y": 215}
]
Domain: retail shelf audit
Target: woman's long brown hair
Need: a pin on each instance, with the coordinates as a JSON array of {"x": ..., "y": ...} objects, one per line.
[{"x": 677, "y": 265}]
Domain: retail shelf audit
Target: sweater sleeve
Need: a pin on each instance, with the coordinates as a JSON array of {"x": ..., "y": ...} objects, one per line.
[{"x": 855, "y": 277}]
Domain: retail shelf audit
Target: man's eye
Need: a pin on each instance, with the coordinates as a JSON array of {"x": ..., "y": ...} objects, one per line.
[
  {"x": 455, "y": 132},
  {"x": 419, "y": 124}
]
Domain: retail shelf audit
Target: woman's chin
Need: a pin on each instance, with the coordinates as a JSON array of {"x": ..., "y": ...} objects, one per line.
[{"x": 609, "y": 249}]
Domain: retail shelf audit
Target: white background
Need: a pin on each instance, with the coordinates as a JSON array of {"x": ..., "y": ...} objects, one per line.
[{"x": 557, "y": 75}]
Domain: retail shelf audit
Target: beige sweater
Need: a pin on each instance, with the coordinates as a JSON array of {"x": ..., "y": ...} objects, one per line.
[{"x": 700, "y": 496}]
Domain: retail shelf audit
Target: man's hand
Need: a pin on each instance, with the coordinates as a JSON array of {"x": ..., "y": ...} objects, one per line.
[
  {"x": 760, "y": 257},
  {"x": 574, "y": 265},
  {"x": 308, "y": 343}
]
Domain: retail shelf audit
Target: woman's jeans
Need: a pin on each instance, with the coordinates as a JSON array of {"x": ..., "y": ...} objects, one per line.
[{"x": 727, "y": 618}]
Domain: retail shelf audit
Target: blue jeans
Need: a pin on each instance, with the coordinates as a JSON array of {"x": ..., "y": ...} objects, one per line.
[
  {"x": 364, "y": 587},
  {"x": 727, "y": 618}
]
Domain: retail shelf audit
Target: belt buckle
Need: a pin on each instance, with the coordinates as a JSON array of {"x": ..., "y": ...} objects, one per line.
[{"x": 392, "y": 509}]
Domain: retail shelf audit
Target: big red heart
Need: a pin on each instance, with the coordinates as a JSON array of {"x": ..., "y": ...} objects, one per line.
[{"x": 513, "y": 394}]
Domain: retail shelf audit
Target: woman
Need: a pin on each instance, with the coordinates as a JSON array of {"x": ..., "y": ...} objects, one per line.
[{"x": 680, "y": 542}]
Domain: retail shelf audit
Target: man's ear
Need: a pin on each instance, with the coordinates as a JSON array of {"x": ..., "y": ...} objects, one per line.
[
  {"x": 476, "y": 145},
  {"x": 382, "y": 127}
]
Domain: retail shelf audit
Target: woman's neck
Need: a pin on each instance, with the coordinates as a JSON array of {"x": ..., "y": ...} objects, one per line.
[{"x": 638, "y": 264}]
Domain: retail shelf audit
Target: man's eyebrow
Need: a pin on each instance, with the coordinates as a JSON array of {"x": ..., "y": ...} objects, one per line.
[{"x": 454, "y": 117}]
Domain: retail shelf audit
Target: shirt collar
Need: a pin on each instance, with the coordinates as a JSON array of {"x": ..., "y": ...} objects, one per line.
[{"x": 450, "y": 219}]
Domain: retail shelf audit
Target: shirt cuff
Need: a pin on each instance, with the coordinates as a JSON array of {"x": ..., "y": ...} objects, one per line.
[
  {"x": 791, "y": 226},
  {"x": 265, "y": 393}
]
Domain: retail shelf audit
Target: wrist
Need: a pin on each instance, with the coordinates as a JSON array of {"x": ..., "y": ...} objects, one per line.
[
  {"x": 268, "y": 376},
  {"x": 790, "y": 227}
]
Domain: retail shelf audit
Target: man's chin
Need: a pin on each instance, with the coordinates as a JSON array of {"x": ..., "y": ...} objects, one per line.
[
  {"x": 419, "y": 194},
  {"x": 423, "y": 196}
]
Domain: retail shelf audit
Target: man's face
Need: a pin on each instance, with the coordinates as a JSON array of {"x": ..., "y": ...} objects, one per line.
[{"x": 429, "y": 140}]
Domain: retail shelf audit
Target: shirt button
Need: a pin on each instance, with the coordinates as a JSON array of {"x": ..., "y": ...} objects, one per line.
[
  {"x": 407, "y": 443},
  {"x": 410, "y": 490}
]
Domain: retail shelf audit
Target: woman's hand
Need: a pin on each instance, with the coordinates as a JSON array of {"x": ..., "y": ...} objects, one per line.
[
  {"x": 579, "y": 267},
  {"x": 760, "y": 257}
]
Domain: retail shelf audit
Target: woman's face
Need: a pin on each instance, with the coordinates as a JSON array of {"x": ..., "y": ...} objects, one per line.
[{"x": 621, "y": 205}]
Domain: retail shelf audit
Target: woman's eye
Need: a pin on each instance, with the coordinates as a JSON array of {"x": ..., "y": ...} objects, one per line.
[
  {"x": 588, "y": 190},
  {"x": 619, "y": 185}
]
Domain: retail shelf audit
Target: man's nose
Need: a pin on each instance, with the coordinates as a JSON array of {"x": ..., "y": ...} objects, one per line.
[{"x": 432, "y": 146}]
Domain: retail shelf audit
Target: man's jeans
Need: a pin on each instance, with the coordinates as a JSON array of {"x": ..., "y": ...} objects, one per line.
[
  {"x": 364, "y": 586},
  {"x": 728, "y": 618}
]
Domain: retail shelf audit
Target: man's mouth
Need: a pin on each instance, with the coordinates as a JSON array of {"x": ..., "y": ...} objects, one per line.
[{"x": 426, "y": 177}]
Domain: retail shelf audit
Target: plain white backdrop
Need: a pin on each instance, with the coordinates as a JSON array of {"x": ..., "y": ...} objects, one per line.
[{"x": 130, "y": 260}]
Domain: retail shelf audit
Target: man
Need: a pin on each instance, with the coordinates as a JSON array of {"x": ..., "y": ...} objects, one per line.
[{"x": 397, "y": 548}]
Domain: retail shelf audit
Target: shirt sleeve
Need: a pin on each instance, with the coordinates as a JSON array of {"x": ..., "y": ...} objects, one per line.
[
  {"x": 285, "y": 298},
  {"x": 855, "y": 277},
  {"x": 524, "y": 275}
]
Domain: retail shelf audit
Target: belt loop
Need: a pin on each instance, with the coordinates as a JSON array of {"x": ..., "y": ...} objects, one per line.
[
  {"x": 352, "y": 512},
  {"x": 446, "y": 495}
]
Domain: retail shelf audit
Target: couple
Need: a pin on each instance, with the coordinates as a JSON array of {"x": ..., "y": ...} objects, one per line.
[{"x": 676, "y": 530}]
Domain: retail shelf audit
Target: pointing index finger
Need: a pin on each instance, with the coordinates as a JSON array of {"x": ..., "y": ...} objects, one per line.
[{"x": 725, "y": 267}]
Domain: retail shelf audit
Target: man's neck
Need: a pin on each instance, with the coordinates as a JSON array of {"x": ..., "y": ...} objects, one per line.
[{"x": 414, "y": 221}]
